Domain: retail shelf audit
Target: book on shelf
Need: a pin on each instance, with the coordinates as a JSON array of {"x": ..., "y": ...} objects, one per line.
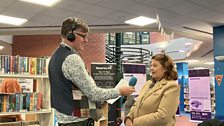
[
  {"x": 34, "y": 102},
  {"x": 19, "y": 102},
  {"x": 23, "y": 65}
]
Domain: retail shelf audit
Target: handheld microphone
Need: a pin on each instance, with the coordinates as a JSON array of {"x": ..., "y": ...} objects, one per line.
[{"x": 132, "y": 82}]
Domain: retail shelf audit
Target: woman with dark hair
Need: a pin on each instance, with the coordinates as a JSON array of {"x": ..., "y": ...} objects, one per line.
[{"x": 158, "y": 101}]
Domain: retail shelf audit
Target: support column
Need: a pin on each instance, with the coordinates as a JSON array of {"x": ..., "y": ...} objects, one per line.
[
  {"x": 218, "y": 45},
  {"x": 118, "y": 53},
  {"x": 115, "y": 109},
  {"x": 182, "y": 69}
]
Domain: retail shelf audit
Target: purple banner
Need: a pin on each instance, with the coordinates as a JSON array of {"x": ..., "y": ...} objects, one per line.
[
  {"x": 199, "y": 94},
  {"x": 200, "y": 116}
]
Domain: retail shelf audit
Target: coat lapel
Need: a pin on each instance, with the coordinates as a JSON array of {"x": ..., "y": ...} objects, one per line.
[{"x": 157, "y": 86}]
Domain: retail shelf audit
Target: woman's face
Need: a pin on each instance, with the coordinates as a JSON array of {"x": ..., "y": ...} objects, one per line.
[{"x": 156, "y": 69}]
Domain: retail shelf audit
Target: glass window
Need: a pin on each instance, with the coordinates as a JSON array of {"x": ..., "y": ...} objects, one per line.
[
  {"x": 145, "y": 38},
  {"x": 129, "y": 38},
  {"x": 112, "y": 38},
  {"x": 138, "y": 36},
  {"x": 107, "y": 38}
]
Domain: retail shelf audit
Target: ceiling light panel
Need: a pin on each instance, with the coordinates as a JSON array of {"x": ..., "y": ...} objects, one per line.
[
  {"x": 141, "y": 21},
  {"x": 43, "y": 2},
  {"x": 12, "y": 20}
]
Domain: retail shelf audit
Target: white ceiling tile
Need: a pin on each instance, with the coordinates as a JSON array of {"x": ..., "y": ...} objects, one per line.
[
  {"x": 173, "y": 18},
  {"x": 183, "y": 8},
  {"x": 120, "y": 16},
  {"x": 23, "y": 9},
  {"x": 44, "y": 19},
  {"x": 138, "y": 0},
  {"x": 141, "y": 9},
  {"x": 72, "y": 5},
  {"x": 2, "y": 9},
  {"x": 6, "y": 3},
  {"x": 97, "y": 11},
  {"x": 162, "y": 3},
  {"x": 219, "y": 8},
  {"x": 33, "y": 23},
  {"x": 24, "y": 6},
  {"x": 202, "y": 14},
  {"x": 18, "y": 14},
  {"x": 89, "y": 19},
  {"x": 104, "y": 21},
  {"x": 6, "y": 25},
  {"x": 207, "y": 3},
  {"x": 92, "y": 1},
  {"x": 116, "y": 4},
  {"x": 55, "y": 12}
]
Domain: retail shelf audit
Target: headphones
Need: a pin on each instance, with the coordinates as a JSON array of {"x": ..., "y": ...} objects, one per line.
[{"x": 71, "y": 36}]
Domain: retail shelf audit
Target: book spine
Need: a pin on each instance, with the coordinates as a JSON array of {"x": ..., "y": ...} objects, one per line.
[
  {"x": 2, "y": 64},
  {"x": 39, "y": 101},
  {"x": 31, "y": 101},
  {"x": 28, "y": 101}
]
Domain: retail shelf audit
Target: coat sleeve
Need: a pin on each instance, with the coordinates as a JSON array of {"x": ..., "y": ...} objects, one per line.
[{"x": 166, "y": 110}]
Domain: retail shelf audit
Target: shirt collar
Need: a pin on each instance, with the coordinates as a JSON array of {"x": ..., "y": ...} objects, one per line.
[{"x": 66, "y": 45}]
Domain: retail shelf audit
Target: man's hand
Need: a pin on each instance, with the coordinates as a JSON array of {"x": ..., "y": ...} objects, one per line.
[{"x": 126, "y": 90}]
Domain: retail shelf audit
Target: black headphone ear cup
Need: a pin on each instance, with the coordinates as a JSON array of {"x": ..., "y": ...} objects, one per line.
[{"x": 71, "y": 37}]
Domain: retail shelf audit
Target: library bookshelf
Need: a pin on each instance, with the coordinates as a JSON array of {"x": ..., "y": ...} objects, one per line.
[
  {"x": 43, "y": 116},
  {"x": 34, "y": 105}
]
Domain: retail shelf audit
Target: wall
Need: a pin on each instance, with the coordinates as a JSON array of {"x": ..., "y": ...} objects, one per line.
[
  {"x": 95, "y": 51},
  {"x": 44, "y": 45},
  {"x": 7, "y": 50},
  {"x": 157, "y": 37},
  {"x": 35, "y": 45}
]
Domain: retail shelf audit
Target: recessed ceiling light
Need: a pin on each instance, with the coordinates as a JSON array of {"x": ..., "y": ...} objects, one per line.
[
  {"x": 12, "y": 20},
  {"x": 163, "y": 45},
  {"x": 200, "y": 68},
  {"x": 209, "y": 63},
  {"x": 43, "y": 2},
  {"x": 141, "y": 21},
  {"x": 181, "y": 51},
  {"x": 188, "y": 43},
  {"x": 192, "y": 61},
  {"x": 1, "y": 47}
]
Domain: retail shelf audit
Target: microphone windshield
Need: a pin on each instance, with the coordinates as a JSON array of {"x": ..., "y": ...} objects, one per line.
[{"x": 132, "y": 81}]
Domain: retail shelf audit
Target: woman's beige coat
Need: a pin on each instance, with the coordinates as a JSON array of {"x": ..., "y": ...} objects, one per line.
[{"x": 156, "y": 106}]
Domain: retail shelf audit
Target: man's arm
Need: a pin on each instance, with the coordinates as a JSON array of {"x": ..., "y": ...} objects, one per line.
[{"x": 74, "y": 70}]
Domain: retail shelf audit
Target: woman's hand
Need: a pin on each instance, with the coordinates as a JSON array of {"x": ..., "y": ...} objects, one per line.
[{"x": 128, "y": 122}]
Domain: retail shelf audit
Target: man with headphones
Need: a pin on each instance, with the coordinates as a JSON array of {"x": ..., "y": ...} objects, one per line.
[{"x": 74, "y": 94}]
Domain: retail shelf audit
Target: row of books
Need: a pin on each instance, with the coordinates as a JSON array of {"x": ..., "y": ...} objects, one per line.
[
  {"x": 23, "y": 65},
  {"x": 20, "y": 102}
]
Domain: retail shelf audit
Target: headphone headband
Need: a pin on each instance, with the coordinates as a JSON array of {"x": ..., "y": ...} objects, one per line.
[{"x": 71, "y": 36}]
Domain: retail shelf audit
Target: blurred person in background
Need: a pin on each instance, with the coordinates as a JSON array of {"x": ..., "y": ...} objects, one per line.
[{"x": 10, "y": 85}]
